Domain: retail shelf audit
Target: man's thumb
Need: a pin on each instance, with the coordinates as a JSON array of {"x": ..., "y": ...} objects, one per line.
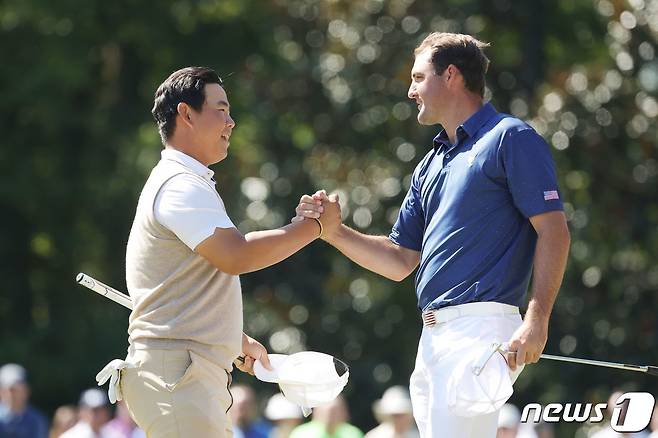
[{"x": 265, "y": 360}]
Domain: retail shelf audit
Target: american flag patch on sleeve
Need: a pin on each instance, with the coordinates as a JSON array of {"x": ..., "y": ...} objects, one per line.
[{"x": 550, "y": 195}]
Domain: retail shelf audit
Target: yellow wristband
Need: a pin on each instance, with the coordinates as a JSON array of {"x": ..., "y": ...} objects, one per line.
[{"x": 320, "y": 224}]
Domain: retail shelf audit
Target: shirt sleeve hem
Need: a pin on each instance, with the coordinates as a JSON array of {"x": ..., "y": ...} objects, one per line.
[
  {"x": 404, "y": 244},
  {"x": 194, "y": 240},
  {"x": 528, "y": 213}
]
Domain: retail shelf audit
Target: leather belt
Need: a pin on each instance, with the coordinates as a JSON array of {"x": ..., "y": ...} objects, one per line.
[{"x": 445, "y": 314}]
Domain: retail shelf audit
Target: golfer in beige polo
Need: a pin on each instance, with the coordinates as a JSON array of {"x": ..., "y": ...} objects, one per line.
[{"x": 183, "y": 259}]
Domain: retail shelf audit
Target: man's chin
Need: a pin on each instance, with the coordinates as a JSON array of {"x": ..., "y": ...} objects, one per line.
[
  {"x": 219, "y": 157},
  {"x": 422, "y": 120},
  {"x": 426, "y": 121}
]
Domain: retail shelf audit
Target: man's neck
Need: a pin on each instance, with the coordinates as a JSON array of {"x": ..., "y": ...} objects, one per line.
[
  {"x": 182, "y": 146},
  {"x": 462, "y": 111}
]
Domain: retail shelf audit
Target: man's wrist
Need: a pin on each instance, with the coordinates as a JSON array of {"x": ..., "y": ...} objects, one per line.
[
  {"x": 319, "y": 222},
  {"x": 333, "y": 236},
  {"x": 537, "y": 314},
  {"x": 245, "y": 340}
]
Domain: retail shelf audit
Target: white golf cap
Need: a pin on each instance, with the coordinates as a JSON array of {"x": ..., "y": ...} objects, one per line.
[
  {"x": 280, "y": 408},
  {"x": 395, "y": 401},
  {"x": 12, "y": 374},
  {"x": 93, "y": 398},
  {"x": 483, "y": 392},
  {"x": 308, "y": 379}
]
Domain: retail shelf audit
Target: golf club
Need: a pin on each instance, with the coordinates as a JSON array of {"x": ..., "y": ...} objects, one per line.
[
  {"x": 500, "y": 348},
  {"x": 105, "y": 290}
]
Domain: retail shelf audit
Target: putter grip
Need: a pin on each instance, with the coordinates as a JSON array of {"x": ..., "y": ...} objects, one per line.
[
  {"x": 103, "y": 289},
  {"x": 652, "y": 370}
]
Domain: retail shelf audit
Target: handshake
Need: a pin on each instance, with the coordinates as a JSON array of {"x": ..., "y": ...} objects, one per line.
[{"x": 323, "y": 208}]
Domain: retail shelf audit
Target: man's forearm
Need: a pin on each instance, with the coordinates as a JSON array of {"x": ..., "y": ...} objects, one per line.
[
  {"x": 266, "y": 248},
  {"x": 375, "y": 253},
  {"x": 550, "y": 262}
]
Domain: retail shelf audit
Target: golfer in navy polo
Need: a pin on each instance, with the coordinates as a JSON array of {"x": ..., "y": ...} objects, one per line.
[{"x": 483, "y": 214}]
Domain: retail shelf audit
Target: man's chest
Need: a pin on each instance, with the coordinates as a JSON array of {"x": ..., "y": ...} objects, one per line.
[{"x": 460, "y": 176}]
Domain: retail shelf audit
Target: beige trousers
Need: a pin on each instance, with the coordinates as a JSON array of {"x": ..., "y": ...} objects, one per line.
[{"x": 177, "y": 394}]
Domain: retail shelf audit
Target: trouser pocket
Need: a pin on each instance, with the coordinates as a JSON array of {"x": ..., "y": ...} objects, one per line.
[
  {"x": 149, "y": 388},
  {"x": 177, "y": 369}
]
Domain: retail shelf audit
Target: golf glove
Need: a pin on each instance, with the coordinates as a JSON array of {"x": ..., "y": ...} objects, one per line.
[{"x": 112, "y": 372}]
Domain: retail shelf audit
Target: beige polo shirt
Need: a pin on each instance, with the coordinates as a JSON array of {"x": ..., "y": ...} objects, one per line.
[{"x": 181, "y": 301}]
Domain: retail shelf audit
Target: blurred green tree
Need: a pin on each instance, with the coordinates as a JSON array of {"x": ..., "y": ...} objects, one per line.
[{"x": 319, "y": 94}]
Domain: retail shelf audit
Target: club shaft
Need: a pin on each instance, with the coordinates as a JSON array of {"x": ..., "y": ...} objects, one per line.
[
  {"x": 598, "y": 363},
  {"x": 105, "y": 290}
]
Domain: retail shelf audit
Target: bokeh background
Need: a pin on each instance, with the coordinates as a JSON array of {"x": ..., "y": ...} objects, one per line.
[{"x": 318, "y": 90}]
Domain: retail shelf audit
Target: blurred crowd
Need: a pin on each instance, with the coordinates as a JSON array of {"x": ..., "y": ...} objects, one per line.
[
  {"x": 93, "y": 417},
  {"x": 282, "y": 419}
]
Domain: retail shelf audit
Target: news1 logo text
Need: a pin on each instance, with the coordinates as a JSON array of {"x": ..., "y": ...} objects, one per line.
[{"x": 631, "y": 412}]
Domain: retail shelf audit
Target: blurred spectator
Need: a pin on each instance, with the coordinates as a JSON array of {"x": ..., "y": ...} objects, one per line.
[
  {"x": 64, "y": 418},
  {"x": 244, "y": 414},
  {"x": 545, "y": 430},
  {"x": 394, "y": 413},
  {"x": 17, "y": 418},
  {"x": 607, "y": 431},
  {"x": 329, "y": 421},
  {"x": 509, "y": 424},
  {"x": 654, "y": 423},
  {"x": 93, "y": 414},
  {"x": 122, "y": 425},
  {"x": 284, "y": 415}
]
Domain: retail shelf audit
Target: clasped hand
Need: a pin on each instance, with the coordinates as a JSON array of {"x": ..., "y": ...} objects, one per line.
[{"x": 323, "y": 207}]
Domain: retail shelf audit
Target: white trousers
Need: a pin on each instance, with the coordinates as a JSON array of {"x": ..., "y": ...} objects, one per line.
[{"x": 440, "y": 351}]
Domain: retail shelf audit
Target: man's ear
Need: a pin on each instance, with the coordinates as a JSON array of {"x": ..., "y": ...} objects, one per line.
[
  {"x": 452, "y": 71},
  {"x": 185, "y": 113},
  {"x": 453, "y": 75}
]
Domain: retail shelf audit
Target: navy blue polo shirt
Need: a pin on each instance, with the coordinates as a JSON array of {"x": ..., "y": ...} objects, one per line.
[{"x": 467, "y": 211}]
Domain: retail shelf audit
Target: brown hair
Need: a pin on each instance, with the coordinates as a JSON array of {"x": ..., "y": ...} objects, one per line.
[
  {"x": 184, "y": 85},
  {"x": 463, "y": 51}
]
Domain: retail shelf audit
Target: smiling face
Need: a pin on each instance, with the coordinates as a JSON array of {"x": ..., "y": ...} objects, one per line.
[
  {"x": 213, "y": 125},
  {"x": 428, "y": 89}
]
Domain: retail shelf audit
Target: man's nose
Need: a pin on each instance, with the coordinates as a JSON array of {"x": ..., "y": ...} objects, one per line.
[{"x": 412, "y": 92}]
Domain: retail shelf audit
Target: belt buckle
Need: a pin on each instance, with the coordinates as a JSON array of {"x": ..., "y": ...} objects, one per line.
[{"x": 429, "y": 318}]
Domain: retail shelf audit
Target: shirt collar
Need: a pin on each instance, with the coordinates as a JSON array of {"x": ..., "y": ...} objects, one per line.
[
  {"x": 467, "y": 129},
  {"x": 189, "y": 162}
]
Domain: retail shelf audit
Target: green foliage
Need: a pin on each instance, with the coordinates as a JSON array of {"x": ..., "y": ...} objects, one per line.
[{"x": 318, "y": 89}]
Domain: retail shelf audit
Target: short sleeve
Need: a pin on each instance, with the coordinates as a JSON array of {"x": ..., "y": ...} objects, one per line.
[
  {"x": 530, "y": 173},
  {"x": 408, "y": 229},
  {"x": 191, "y": 209}
]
